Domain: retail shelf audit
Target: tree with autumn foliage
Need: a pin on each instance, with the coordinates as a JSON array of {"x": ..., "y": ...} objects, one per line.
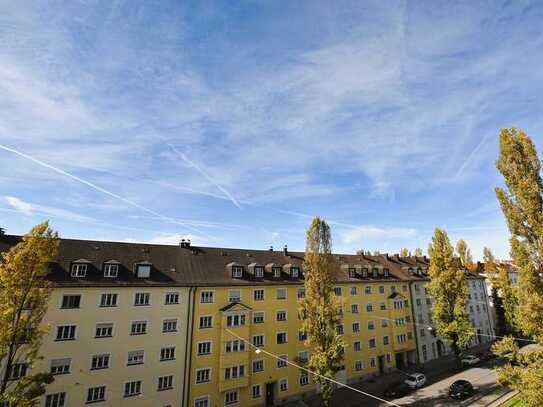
[
  {"x": 321, "y": 309},
  {"x": 449, "y": 291},
  {"x": 23, "y": 303},
  {"x": 494, "y": 273},
  {"x": 521, "y": 202},
  {"x": 404, "y": 252},
  {"x": 418, "y": 252},
  {"x": 464, "y": 253}
]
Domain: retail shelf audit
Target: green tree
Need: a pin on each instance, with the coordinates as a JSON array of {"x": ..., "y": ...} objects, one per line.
[
  {"x": 464, "y": 253},
  {"x": 522, "y": 205},
  {"x": 23, "y": 303},
  {"x": 404, "y": 252},
  {"x": 449, "y": 290},
  {"x": 418, "y": 252},
  {"x": 321, "y": 309},
  {"x": 493, "y": 273}
]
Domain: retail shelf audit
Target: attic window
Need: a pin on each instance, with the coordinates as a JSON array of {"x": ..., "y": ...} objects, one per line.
[
  {"x": 143, "y": 270},
  {"x": 237, "y": 271},
  {"x": 294, "y": 272},
  {"x": 111, "y": 270},
  {"x": 276, "y": 272},
  {"x": 352, "y": 272},
  {"x": 386, "y": 272},
  {"x": 79, "y": 270},
  {"x": 259, "y": 272},
  {"x": 365, "y": 272},
  {"x": 419, "y": 271},
  {"x": 375, "y": 272}
]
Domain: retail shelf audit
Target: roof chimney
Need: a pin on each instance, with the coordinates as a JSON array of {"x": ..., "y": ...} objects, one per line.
[
  {"x": 182, "y": 243},
  {"x": 285, "y": 250},
  {"x": 271, "y": 249},
  {"x": 2, "y": 231}
]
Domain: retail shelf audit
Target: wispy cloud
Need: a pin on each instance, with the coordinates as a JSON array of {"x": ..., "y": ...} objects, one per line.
[{"x": 358, "y": 234}]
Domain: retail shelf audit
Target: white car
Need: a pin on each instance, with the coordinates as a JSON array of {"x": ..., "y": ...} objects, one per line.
[
  {"x": 415, "y": 380},
  {"x": 469, "y": 360}
]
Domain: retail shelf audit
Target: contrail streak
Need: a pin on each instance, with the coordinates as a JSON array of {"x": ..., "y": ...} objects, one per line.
[
  {"x": 98, "y": 188},
  {"x": 206, "y": 176}
]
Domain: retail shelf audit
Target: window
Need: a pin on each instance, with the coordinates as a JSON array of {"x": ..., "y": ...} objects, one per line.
[
  {"x": 259, "y": 272},
  {"x": 302, "y": 335},
  {"x": 373, "y": 362},
  {"x": 337, "y": 291},
  {"x": 206, "y": 322},
  {"x": 55, "y": 400},
  {"x": 135, "y": 357},
  {"x": 401, "y": 338},
  {"x": 201, "y": 402},
  {"x": 294, "y": 272},
  {"x": 171, "y": 298},
  {"x": 352, "y": 272},
  {"x": 17, "y": 371},
  {"x": 258, "y": 340},
  {"x": 303, "y": 356},
  {"x": 234, "y": 295},
  {"x": 381, "y": 289},
  {"x": 79, "y": 270},
  {"x": 231, "y": 397},
  {"x": 386, "y": 273},
  {"x": 138, "y": 328},
  {"x": 165, "y": 383},
  {"x": 283, "y": 385},
  {"x": 237, "y": 271},
  {"x": 203, "y": 375},
  {"x": 384, "y": 323},
  {"x": 204, "y": 348},
  {"x": 108, "y": 300},
  {"x": 60, "y": 366},
  {"x": 235, "y": 346},
  {"x": 234, "y": 372},
  {"x": 357, "y": 346},
  {"x": 358, "y": 365},
  {"x": 132, "y": 388},
  {"x": 206, "y": 297},
  {"x": 276, "y": 272},
  {"x": 143, "y": 270},
  {"x": 258, "y": 366},
  {"x": 281, "y": 293},
  {"x": 111, "y": 270},
  {"x": 353, "y": 291},
  {"x": 95, "y": 394},
  {"x": 304, "y": 379},
  {"x": 71, "y": 301},
  {"x": 142, "y": 299},
  {"x": 369, "y": 307},
  {"x": 356, "y": 327},
  {"x": 169, "y": 325},
  {"x": 423, "y": 332},
  {"x": 424, "y": 353},
  {"x": 385, "y": 340},
  {"x": 66, "y": 333},
  {"x": 104, "y": 330},
  {"x": 389, "y": 358},
  {"x": 365, "y": 272},
  {"x": 101, "y": 361},
  {"x": 301, "y": 293},
  {"x": 235, "y": 320},
  {"x": 281, "y": 337},
  {"x": 167, "y": 353},
  {"x": 418, "y": 301},
  {"x": 372, "y": 343},
  {"x": 258, "y": 295},
  {"x": 281, "y": 316},
  {"x": 382, "y": 306},
  {"x": 367, "y": 289},
  {"x": 354, "y": 308},
  {"x": 339, "y": 329},
  {"x": 258, "y": 317},
  {"x": 257, "y": 391},
  {"x": 282, "y": 361}
]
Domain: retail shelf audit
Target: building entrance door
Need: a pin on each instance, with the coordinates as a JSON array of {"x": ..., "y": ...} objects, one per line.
[{"x": 270, "y": 387}]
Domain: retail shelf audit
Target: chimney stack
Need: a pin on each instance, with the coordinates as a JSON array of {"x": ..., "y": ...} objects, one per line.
[
  {"x": 271, "y": 249},
  {"x": 2, "y": 231},
  {"x": 285, "y": 250}
]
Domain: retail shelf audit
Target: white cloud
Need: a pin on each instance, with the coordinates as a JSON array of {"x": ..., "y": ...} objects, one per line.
[
  {"x": 359, "y": 233},
  {"x": 20, "y": 205}
]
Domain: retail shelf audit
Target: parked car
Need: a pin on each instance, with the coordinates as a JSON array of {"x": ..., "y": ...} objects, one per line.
[
  {"x": 461, "y": 389},
  {"x": 486, "y": 355},
  {"x": 415, "y": 380},
  {"x": 470, "y": 360},
  {"x": 398, "y": 389}
]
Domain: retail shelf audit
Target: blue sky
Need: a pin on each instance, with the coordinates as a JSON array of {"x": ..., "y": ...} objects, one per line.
[{"x": 235, "y": 122}]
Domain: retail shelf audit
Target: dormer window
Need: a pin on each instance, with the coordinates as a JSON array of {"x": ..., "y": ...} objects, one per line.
[
  {"x": 259, "y": 272},
  {"x": 111, "y": 270},
  {"x": 237, "y": 271},
  {"x": 410, "y": 270},
  {"x": 294, "y": 272},
  {"x": 419, "y": 271},
  {"x": 365, "y": 272},
  {"x": 143, "y": 270},
  {"x": 375, "y": 272},
  {"x": 352, "y": 272},
  {"x": 386, "y": 272},
  {"x": 276, "y": 272},
  {"x": 79, "y": 270}
]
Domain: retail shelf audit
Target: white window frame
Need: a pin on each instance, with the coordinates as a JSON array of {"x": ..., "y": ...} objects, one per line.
[
  {"x": 108, "y": 304},
  {"x": 111, "y": 270},
  {"x": 282, "y": 381},
  {"x": 170, "y": 387},
  {"x": 202, "y": 369},
  {"x": 133, "y": 352},
  {"x": 259, "y": 290},
  {"x": 208, "y": 294},
  {"x": 202, "y": 343},
  {"x": 79, "y": 270},
  {"x": 96, "y": 400},
  {"x": 103, "y": 327},
  {"x": 281, "y": 290},
  {"x": 126, "y": 395},
  {"x": 170, "y": 320},
  {"x": 277, "y": 316},
  {"x": 175, "y": 294}
]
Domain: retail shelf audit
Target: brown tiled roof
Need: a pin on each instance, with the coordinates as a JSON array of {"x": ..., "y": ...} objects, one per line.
[{"x": 201, "y": 266}]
